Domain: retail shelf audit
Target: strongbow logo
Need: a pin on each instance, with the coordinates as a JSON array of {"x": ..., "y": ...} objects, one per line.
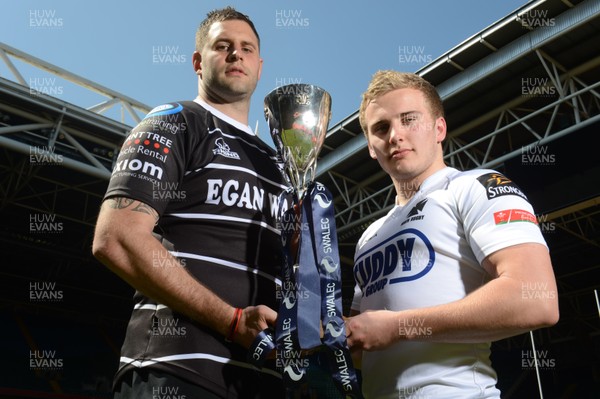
[
  {"x": 498, "y": 179},
  {"x": 223, "y": 149},
  {"x": 135, "y": 165},
  {"x": 497, "y": 185}
]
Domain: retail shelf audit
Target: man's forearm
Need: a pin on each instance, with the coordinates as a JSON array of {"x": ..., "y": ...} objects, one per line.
[
  {"x": 125, "y": 244},
  {"x": 495, "y": 311}
]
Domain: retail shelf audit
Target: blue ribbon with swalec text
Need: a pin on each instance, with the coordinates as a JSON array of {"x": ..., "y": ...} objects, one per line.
[{"x": 310, "y": 297}]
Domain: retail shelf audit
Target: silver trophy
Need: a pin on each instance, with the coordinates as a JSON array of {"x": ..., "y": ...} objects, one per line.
[{"x": 298, "y": 116}]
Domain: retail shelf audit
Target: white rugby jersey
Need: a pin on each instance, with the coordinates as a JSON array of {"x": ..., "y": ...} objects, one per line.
[{"x": 428, "y": 252}]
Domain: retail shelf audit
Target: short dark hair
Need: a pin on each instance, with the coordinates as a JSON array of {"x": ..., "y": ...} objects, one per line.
[{"x": 220, "y": 15}]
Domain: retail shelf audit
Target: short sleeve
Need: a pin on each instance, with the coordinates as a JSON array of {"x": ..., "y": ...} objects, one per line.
[
  {"x": 152, "y": 159},
  {"x": 495, "y": 213}
]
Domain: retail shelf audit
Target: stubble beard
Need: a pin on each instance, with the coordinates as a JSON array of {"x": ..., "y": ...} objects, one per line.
[{"x": 229, "y": 90}]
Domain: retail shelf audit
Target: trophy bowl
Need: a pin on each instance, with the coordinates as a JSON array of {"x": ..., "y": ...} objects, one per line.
[{"x": 298, "y": 116}]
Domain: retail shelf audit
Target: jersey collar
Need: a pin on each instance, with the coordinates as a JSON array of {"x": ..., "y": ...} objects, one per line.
[{"x": 223, "y": 116}]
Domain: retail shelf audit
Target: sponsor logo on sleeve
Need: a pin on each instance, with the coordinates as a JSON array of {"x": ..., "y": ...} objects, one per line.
[
  {"x": 143, "y": 156},
  {"x": 514, "y": 215},
  {"x": 166, "y": 109},
  {"x": 497, "y": 185},
  {"x": 140, "y": 169},
  {"x": 150, "y": 144},
  {"x": 164, "y": 118}
]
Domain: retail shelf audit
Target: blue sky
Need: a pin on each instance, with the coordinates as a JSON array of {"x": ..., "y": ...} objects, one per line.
[{"x": 142, "y": 48}]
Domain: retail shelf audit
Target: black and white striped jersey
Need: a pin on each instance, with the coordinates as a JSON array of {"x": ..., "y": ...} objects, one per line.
[{"x": 216, "y": 187}]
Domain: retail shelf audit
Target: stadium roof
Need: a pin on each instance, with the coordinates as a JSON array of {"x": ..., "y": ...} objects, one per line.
[{"x": 527, "y": 83}]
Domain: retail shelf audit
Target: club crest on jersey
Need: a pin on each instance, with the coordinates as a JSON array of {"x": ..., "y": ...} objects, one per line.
[
  {"x": 223, "y": 149},
  {"x": 496, "y": 185},
  {"x": 408, "y": 255}
]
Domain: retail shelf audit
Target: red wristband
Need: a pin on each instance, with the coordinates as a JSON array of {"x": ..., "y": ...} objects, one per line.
[{"x": 233, "y": 326}]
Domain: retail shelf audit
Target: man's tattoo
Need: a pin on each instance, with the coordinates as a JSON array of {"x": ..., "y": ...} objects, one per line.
[{"x": 136, "y": 206}]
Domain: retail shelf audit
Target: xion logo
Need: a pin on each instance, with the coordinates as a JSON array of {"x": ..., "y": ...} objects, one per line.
[
  {"x": 135, "y": 165},
  {"x": 408, "y": 255},
  {"x": 497, "y": 185}
]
